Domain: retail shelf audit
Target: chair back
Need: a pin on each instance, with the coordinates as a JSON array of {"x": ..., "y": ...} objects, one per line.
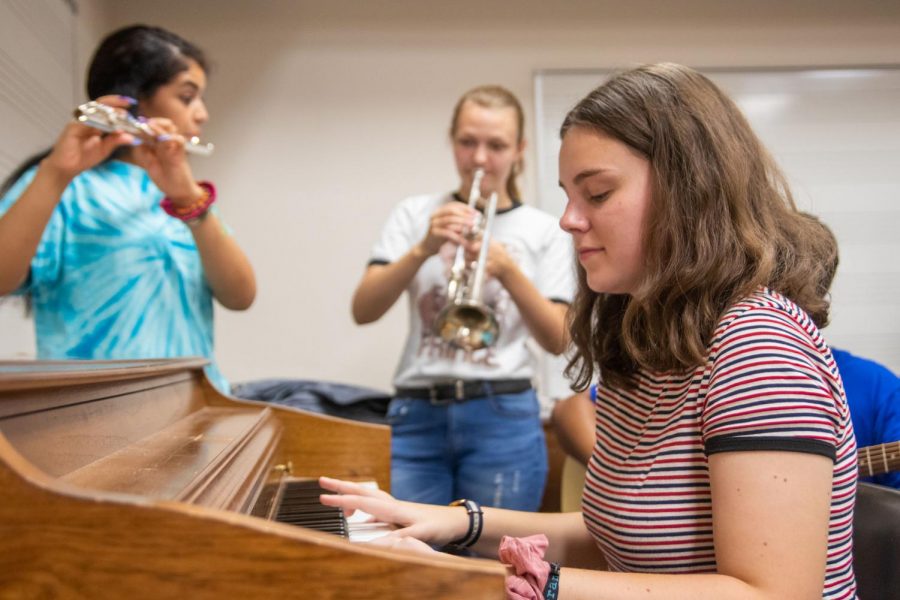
[{"x": 876, "y": 542}]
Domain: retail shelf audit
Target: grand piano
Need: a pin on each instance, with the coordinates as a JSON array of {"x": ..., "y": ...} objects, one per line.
[{"x": 138, "y": 479}]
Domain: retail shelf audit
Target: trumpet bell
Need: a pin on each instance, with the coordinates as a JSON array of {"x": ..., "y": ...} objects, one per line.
[{"x": 467, "y": 325}]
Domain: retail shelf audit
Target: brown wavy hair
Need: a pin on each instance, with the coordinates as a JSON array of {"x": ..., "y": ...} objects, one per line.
[{"x": 721, "y": 223}]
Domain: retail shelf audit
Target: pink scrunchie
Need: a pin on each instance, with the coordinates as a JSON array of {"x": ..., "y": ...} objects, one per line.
[{"x": 526, "y": 557}]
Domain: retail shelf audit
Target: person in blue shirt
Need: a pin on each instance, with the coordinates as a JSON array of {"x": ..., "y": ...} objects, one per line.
[
  {"x": 109, "y": 235},
  {"x": 873, "y": 394}
]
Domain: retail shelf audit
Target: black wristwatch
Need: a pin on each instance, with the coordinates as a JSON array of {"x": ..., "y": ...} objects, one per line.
[{"x": 476, "y": 523}]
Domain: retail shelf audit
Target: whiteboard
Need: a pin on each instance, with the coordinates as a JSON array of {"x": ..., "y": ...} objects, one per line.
[{"x": 836, "y": 134}]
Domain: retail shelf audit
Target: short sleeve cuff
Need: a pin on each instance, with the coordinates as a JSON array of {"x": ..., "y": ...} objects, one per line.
[{"x": 737, "y": 443}]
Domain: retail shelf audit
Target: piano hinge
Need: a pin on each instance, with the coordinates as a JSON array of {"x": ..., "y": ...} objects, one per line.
[{"x": 286, "y": 468}]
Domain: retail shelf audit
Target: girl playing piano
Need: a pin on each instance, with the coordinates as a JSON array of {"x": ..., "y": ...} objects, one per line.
[{"x": 725, "y": 465}]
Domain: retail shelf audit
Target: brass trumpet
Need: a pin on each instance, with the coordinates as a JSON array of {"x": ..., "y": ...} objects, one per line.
[
  {"x": 465, "y": 321},
  {"x": 108, "y": 119}
]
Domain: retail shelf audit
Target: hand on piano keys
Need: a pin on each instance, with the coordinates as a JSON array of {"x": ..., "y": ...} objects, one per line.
[
  {"x": 299, "y": 505},
  {"x": 363, "y": 526},
  {"x": 415, "y": 526}
]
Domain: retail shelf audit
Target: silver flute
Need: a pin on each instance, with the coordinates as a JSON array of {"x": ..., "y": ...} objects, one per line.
[{"x": 106, "y": 118}]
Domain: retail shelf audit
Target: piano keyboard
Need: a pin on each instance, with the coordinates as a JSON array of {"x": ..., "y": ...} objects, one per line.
[
  {"x": 108, "y": 465},
  {"x": 299, "y": 505}
]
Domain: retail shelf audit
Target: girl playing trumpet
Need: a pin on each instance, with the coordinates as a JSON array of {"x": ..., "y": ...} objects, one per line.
[{"x": 465, "y": 423}]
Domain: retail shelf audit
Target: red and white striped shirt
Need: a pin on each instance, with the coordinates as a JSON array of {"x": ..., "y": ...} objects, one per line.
[{"x": 769, "y": 383}]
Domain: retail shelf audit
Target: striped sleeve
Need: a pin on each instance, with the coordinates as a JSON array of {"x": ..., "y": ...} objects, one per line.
[{"x": 770, "y": 386}]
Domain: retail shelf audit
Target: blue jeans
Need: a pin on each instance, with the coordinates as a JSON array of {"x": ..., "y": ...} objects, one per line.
[{"x": 488, "y": 449}]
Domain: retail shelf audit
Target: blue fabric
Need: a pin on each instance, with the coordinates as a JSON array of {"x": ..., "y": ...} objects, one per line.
[
  {"x": 489, "y": 449},
  {"x": 115, "y": 277},
  {"x": 326, "y": 397},
  {"x": 873, "y": 394}
]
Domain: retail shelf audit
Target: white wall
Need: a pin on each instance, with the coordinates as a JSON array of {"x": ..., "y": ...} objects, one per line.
[
  {"x": 327, "y": 113},
  {"x": 42, "y": 53}
]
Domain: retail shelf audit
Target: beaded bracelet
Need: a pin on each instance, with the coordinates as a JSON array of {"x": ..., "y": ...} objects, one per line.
[{"x": 195, "y": 211}]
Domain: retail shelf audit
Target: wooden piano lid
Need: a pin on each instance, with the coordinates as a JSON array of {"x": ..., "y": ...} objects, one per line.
[
  {"x": 28, "y": 374},
  {"x": 67, "y": 425}
]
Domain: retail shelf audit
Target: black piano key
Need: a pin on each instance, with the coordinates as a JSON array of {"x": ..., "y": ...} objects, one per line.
[{"x": 300, "y": 506}]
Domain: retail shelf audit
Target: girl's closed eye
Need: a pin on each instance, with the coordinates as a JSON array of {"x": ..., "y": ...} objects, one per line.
[{"x": 599, "y": 197}]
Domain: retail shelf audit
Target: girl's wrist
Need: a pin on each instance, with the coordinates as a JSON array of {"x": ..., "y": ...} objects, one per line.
[
  {"x": 506, "y": 272},
  {"x": 467, "y": 524},
  {"x": 194, "y": 195},
  {"x": 460, "y": 524},
  {"x": 195, "y": 211},
  {"x": 420, "y": 252},
  {"x": 53, "y": 175}
]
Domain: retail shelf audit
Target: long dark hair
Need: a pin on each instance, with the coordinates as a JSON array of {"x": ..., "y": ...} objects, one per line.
[
  {"x": 722, "y": 222},
  {"x": 134, "y": 61}
]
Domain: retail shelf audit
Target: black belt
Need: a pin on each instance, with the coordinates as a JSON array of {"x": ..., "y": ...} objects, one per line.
[{"x": 461, "y": 389}]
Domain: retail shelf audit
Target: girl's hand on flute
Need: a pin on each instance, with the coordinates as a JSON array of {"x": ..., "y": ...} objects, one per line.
[
  {"x": 166, "y": 163},
  {"x": 80, "y": 147}
]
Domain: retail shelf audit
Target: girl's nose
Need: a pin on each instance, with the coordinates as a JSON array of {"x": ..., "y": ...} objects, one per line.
[
  {"x": 201, "y": 115},
  {"x": 481, "y": 154},
  {"x": 572, "y": 219}
]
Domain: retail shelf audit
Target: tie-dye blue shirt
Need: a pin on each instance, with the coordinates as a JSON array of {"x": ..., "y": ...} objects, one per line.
[{"x": 115, "y": 277}]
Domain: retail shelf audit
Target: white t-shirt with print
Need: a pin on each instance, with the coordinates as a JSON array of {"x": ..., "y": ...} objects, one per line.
[{"x": 533, "y": 239}]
